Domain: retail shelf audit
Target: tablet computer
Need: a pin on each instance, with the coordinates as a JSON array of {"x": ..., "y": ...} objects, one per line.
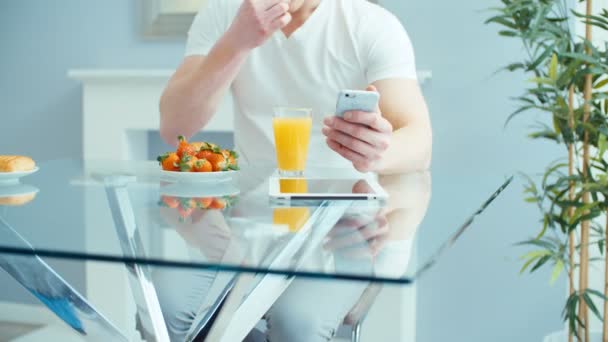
[{"x": 325, "y": 189}]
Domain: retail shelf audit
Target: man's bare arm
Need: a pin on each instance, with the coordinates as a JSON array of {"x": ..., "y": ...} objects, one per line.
[
  {"x": 399, "y": 140},
  {"x": 403, "y": 105},
  {"x": 195, "y": 91},
  {"x": 197, "y": 87}
]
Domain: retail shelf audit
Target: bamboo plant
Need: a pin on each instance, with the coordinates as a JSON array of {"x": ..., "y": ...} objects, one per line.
[{"x": 568, "y": 81}]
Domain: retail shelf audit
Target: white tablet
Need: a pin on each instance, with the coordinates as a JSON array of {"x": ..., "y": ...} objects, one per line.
[{"x": 325, "y": 189}]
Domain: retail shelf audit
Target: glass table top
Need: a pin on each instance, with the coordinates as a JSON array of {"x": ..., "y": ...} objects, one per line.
[{"x": 126, "y": 212}]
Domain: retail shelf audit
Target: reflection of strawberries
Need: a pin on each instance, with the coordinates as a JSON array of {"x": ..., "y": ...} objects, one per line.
[
  {"x": 184, "y": 212},
  {"x": 186, "y": 207},
  {"x": 204, "y": 202},
  {"x": 170, "y": 201},
  {"x": 185, "y": 149},
  {"x": 218, "y": 203},
  {"x": 187, "y": 203}
]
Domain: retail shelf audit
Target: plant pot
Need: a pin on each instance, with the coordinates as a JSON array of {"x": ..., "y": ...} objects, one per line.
[{"x": 562, "y": 336}]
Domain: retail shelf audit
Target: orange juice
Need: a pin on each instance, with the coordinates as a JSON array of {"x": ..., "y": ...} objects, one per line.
[
  {"x": 294, "y": 218},
  {"x": 292, "y": 136},
  {"x": 293, "y": 185}
]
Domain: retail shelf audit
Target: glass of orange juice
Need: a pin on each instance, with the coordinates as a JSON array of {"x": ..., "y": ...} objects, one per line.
[{"x": 292, "y": 128}]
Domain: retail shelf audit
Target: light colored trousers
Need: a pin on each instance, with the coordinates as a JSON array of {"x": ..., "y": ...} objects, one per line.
[{"x": 309, "y": 310}]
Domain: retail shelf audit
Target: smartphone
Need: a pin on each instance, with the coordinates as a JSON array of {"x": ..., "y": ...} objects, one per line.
[{"x": 356, "y": 100}]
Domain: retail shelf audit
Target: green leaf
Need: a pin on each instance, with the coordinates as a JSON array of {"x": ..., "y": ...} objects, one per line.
[
  {"x": 535, "y": 254},
  {"x": 547, "y": 244},
  {"x": 507, "y": 33},
  {"x": 582, "y": 57},
  {"x": 570, "y": 310},
  {"x": 556, "y": 125},
  {"x": 526, "y": 265},
  {"x": 162, "y": 158},
  {"x": 557, "y": 270},
  {"x": 518, "y": 111},
  {"x": 597, "y": 293},
  {"x": 602, "y": 145},
  {"x": 601, "y": 83},
  {"x": 545, "y": 225},
  {"x": 584, "y": 208},
  {"x": 515, "y": 66},
  {"x": 540, "y": 262},
  {"x": 541, "y": 58},
  {"x": 542, "y": 80},
  {"x": 544, "y": 134},
  {"x": 502, "y": 21},
  {"x": 553, "y": 68},
  {"x": 531, "y": 257},
  {"x": 591, "y": 305}
]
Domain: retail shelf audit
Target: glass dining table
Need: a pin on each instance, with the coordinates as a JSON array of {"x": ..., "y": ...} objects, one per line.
[{"x": 157, "y": 260}]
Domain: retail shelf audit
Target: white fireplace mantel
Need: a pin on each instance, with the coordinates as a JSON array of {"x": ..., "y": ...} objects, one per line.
[
  {"x": 120, "y": 106},
  {"x": 100, "y": 75}
]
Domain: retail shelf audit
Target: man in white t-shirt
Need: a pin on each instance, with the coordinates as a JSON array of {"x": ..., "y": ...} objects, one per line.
[{"x": 301, "y": 53}]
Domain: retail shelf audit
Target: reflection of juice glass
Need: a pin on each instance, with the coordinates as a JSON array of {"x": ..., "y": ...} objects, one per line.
[
  {"x": 292, "y": 135},
  {"x": 294, "y": 218}
]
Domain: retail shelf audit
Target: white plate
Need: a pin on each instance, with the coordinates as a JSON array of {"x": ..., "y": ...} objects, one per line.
[
  {"x": 16, "y": 191},
  {"x": 199, "y": 189},
  {"x": 13, "y": 177},
  {"x": 198, "y": 177}
]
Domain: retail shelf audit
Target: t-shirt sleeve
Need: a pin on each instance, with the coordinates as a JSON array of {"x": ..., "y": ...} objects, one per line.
[
  {"x": 210, "y": 23},
  {"x": 390, "y": 53}
]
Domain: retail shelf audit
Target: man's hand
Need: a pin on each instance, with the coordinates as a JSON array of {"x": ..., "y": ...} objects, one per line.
[
  {"x": 359, "y": 236},
  {"x": 360, "y": 137},
  {"x": 257, "y": 20}
]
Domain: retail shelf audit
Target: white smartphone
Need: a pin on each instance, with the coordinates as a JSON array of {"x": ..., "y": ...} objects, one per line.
[
  {"x": 287, "y": 189},
  {"x": 356, "y": 100}
]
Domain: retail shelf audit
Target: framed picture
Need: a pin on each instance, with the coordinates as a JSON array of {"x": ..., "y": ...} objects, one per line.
[
  {"x": 168, "y": 18},
  {"x": 171, "y": 18}
]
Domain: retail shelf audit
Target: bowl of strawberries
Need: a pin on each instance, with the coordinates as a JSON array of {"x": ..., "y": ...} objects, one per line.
[{"x": 198, "y": 162}]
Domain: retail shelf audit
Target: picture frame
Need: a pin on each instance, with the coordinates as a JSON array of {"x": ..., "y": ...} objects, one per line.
[{"x": 170, "y": 19}]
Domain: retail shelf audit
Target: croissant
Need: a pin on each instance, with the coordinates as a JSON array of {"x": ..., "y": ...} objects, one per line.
[{"x": 16, "y": 163}]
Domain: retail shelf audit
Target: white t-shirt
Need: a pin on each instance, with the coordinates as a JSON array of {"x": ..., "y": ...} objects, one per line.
[{"x": 345, "y": 44}]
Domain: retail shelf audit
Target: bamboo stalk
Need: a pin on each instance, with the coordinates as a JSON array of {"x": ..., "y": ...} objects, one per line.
[
  {"x": 605, "y": 323},
  {"x": 584, "y": 260},
  {"x": 571, "y": 239}
]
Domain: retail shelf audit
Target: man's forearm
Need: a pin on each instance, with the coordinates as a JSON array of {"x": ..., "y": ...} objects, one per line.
[
  {"x": 410, "y": 150},
  {"x": 192, "y": 97}
]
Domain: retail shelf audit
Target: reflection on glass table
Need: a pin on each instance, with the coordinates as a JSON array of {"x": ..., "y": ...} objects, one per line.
[{"x": 222, "y": 262}]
